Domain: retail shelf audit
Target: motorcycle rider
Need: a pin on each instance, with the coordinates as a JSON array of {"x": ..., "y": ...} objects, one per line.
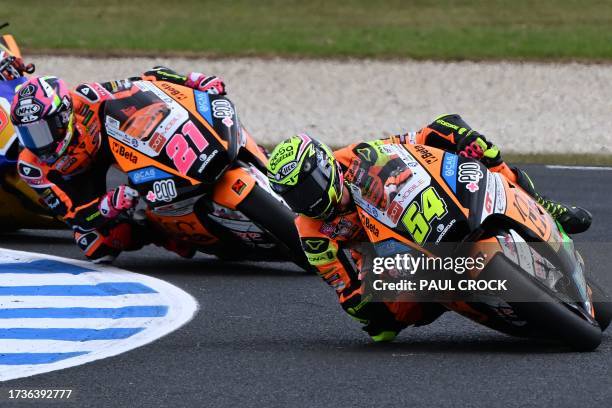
[
  {"x": 65, "y": 159},
  {"x": 311, "y": 179}
]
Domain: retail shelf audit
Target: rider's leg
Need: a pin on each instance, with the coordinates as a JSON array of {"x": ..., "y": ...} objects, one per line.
[{"x": 573, "y": 219}]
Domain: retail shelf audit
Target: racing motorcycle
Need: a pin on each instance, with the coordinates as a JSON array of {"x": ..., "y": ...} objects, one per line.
[
  {"x": 199, "y": 172},
  {"x": 19, "y": 204},
  {"x": 455, "y": 206}
]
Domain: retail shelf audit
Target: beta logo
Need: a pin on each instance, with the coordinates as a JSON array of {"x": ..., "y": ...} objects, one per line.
[
  {"x": 425, "y": 154},
  {"x": 369, "y": 225},
  {"x": 125, "y": 153}
]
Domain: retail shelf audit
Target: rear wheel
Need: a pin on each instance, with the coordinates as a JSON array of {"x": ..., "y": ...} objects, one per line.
[{"x": 547, "y": 315}]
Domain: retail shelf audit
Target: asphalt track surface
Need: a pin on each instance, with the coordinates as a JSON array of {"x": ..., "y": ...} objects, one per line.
[{"x": 271, "y": 335}]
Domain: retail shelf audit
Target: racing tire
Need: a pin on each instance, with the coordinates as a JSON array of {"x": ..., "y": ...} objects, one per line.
[
  {"x": 556, "y": 319},
  {"x": 277, "y": 219},
  {"x": 602, "y": 304}
]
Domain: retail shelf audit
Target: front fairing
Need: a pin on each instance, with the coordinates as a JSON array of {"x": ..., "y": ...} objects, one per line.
[
  {"x": 425, "y": 209},
  {"x": 172, "y": 141}
]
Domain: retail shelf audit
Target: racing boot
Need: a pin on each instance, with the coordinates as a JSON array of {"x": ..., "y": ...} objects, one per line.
[{"x": 573, "y": 220}]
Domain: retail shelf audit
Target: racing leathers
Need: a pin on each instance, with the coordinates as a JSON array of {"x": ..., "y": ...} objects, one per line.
[
  {"x": 74, "y": 188},
  {"x": 332, "y": 245}
]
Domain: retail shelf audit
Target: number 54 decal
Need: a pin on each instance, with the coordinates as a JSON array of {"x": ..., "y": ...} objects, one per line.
[{"x": 417, "y": 219}]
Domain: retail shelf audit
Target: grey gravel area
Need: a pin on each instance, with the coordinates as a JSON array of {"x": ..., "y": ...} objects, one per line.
[{"x": 523, "y": 107}]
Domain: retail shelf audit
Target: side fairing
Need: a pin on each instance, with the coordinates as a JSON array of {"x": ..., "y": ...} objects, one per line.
[
  {"x": 424, "y": 207},
  {"x": 172, "y": 127},
  {"x": 9, "y": 145}
]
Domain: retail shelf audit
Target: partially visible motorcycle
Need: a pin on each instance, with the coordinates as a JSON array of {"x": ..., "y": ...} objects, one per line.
[
  {"x": 20, "y": 207},
  {"x": 454, "y": 206},
  {"x": 200, "y": 173}
]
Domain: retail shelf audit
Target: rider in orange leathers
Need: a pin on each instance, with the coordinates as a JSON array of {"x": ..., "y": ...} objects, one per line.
[
  {"x": 311, "y": 178},
  {"x": 65, "y": 159}
]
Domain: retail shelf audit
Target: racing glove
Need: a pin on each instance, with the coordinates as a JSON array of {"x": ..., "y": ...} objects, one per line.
[
  {"x": 12, "y": 67},
  {"x": 160, "y": 73},
  {"x": 210, "y": 84},
  {"x": 475, "y": 146},
  {"x": 117, "y": 201}
]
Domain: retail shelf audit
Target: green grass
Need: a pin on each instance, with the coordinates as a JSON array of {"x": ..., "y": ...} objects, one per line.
[{"x": 445, "y": 29}]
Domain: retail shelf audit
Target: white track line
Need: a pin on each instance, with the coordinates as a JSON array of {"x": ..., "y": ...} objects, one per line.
[
  {"x": 14, "y": 302},
  {"x": 584, "y": 168},
  {"x": 86, "y": 278},
  {"x": 91, "y": 323},
  {"x": 22, "y": 357}
]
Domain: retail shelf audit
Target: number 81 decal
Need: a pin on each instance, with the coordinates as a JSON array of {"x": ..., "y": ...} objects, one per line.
[{"x": 417, "y": 218}]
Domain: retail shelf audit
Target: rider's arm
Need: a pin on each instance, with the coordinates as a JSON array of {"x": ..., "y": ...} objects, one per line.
[
  {"x": 452, "y": 133},
  {"x": 195, "y": 80},
  {"x": 55, "y": 193},
  {"x": 333, "y": 265}
]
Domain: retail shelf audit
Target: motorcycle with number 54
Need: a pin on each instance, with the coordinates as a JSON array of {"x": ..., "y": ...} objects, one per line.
[{"x": 454, "y": 206}]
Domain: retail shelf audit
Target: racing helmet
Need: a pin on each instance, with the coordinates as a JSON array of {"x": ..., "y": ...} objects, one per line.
[
  {"x": 42, "y": 114},
  {"x": 304, "y": 172}
]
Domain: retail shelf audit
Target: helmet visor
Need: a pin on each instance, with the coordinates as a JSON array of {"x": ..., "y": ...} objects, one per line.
[
  {"x": 311, "y": 197},
  {"x": 43, "y": 136}
]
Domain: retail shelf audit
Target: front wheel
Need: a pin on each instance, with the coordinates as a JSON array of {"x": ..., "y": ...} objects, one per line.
[
  {"x": 602, "y": 304},
  {"x": 277, "y": 219},
  {"x": 553, "y": 318}
]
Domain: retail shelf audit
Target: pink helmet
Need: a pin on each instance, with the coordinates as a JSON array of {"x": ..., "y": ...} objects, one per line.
[{"x": 42, "y": 114}]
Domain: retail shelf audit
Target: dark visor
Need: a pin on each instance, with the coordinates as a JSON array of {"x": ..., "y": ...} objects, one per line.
[{"x": 310, "y": 195}]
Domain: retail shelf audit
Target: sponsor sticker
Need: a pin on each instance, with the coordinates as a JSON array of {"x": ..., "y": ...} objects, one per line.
[
  {"x": 449, "y": 170},
  {"x": 147, "y": 174},
  {"x": 162, "y": 190},
  {"x": 222, "y": 108},
  {"x": 202, "y": 102},
  {"x": 470, "y": 174},
  {"x": 239, "y": 186}
]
